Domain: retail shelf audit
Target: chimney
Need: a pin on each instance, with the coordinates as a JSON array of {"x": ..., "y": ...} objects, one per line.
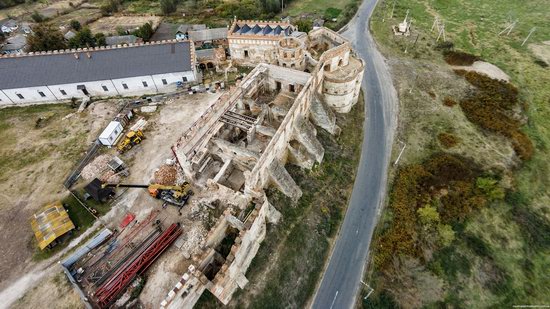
[
  {"x": 76, "y": 56},
  {"x": 89, "y": 55}
]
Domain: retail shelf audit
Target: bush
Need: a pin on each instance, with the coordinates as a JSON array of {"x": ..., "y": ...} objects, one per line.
[
  {"x": 110, "y": 7},
  {"x": 37, "y": 17},
  {"x": 490, "y": 107},
  {"x": 304, "y": 25},
  {"x": 449, "y": 102},
  {"x": 332, "y": 13},
  {"x": 145, "y": 31},
  {"x": 168, "y": 6},
  {"x": 448, "y": 140},
  {"x": 75, "y": 25}
]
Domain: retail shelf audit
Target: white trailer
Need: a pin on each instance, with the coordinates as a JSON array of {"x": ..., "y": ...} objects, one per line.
[{"x": 110, "y": 135}]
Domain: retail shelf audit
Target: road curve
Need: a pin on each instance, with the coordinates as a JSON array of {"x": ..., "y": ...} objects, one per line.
[{"x": 341, "y": 281}]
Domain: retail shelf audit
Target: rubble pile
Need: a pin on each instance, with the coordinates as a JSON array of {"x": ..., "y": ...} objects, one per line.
[
  {"x": 96, "y": 168},
  {"x": 166, "y": 175},
  {"x": 193, "y": 240}
]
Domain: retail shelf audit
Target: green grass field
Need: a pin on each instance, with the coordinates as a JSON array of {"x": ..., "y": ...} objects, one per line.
[{"x": 501, "y": 253}]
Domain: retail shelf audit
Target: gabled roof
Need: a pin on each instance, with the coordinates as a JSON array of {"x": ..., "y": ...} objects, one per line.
[
  {"x": 103, "y": 64},
  {"x": 121, "y": 39},
  {"x": 50, "y": 223},
  {"x": 15, "y": 42},
  {"x": 208, "y": 34},
  {"x": 260, "y": 28},
  {"x": 98, "y": 193},
  {"x": 185, "y": 28}
]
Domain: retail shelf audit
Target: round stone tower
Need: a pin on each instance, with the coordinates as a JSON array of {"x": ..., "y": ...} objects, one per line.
[{"x": 291, "y": 54}]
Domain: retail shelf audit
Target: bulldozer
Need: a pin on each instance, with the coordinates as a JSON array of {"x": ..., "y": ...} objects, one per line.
[
  {"x": 173, "y": 195},
  {"x": 131, "y": 139}
]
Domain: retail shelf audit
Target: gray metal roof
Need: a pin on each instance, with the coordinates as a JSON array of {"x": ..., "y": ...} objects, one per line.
[
  {"x": 55, "y": 69},
  {"x": 121, "y": 39},
  {"x": 208, "y": 34}
]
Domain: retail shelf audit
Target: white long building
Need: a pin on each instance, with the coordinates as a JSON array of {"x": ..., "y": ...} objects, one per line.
[{"x": 99, "y": 72}]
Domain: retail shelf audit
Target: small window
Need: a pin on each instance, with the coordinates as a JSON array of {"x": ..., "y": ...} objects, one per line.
[
  {"x": 124, "y": 86},
  {"x": 291, "y": 88},
  {"x": 42, "y": 94},
  {"x": 20, "y": 96},
  {"x": 116, "y": 131},
  {"x": 145, "y": 84},
  {"x": 184, "y": 79},
  {"x": 246, "y": 53},
  {"x": 104, "y": 88},
  {"x": 62, "y": 92},
  {"x": 164, "y": 82}
]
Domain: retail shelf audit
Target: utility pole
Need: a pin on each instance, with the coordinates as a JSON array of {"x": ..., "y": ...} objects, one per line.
[
  {"x": 370, "y": 290},
  {"x": 530, "y": 32},
  {"x": 400, "y": 153},
  {"x": 435, "y": 24},
  {"x": 441, "y": 32},
  {"x": 509, "y": 27},
  {"x": 393, "y": 8}
]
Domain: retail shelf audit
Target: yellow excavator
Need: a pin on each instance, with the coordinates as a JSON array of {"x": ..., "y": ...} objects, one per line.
[
  {"x": 131, "y": 139},
  {"x": 174, "y": 195}
]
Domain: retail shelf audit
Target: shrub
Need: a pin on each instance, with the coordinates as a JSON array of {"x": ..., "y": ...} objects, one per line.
[
  {"x": 46, "y": 37},
  {"x": 168, "y": 6},
  {"x": 75, "y": 24},
  {"x": 37, "y": 17},
  {"x": 332, "y": 13},
  {"x": 448, "y": 140},
  {"x": 304, "y": 25},
  {"x": 490, "y": 107},
  {"x": 449, "y": 102},
  {"x": 459, "y": 58}
]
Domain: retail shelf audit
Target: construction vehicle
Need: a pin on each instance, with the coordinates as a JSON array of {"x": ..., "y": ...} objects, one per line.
[
  {"x": 174, "y": 195},
  {"x": 131, "y": 139}
]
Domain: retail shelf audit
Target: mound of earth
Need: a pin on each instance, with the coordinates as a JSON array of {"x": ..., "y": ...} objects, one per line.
[{"x": 486, "y": 68}]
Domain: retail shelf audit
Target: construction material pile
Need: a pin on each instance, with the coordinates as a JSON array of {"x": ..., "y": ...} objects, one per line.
[
  {"x": 166, "y": 175},
  {"x": 96, "y": 168}
]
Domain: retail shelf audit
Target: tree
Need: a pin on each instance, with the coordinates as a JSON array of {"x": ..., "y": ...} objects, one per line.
[
  {"x": 46, "y": 37},
  {"x": 145, "y": 31},
  {"x": 100, "y": 39},
  {"x": 83, "y": 38},
  {"x": 110, "y": 7},
  {"x": 304, "y": 25},
  {"x": 168, "y": 6},
  {"x": 75, "y": 24},
  {"x": 37, "y": 17}
]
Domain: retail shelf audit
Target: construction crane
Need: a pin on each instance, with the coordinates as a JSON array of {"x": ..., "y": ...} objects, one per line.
[
  {"x": 131, "y": 139},
  {"x": 174, "y": 195}
]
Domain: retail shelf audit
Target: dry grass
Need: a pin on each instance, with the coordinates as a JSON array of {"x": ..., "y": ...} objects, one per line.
[{"x": 34, "y": 162}]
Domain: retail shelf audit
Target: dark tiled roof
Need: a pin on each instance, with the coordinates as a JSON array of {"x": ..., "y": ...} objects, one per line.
[
  {"x": 54, "y": 69},
  {"x": 262, "y": 29}
]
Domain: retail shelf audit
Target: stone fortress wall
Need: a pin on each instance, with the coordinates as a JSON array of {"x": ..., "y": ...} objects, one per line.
[{"x": 249, "y": 135}]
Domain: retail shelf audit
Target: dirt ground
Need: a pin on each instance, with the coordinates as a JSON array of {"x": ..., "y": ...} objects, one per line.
[
  {"x": 47, "y": 8},
  {"x": 486, "y": 68},
  {"x": 35, "y": 161},
  {"x": 109, "y": 25},
  {"x": 163, "y": 129}
]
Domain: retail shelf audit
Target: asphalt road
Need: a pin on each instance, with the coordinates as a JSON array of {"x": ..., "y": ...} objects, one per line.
[{"x": 341, "y": 281}]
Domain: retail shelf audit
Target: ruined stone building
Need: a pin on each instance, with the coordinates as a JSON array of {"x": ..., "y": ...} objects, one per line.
[
  {"x": 252, "y": 42},
  {"x": 241, "y": 145}
]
